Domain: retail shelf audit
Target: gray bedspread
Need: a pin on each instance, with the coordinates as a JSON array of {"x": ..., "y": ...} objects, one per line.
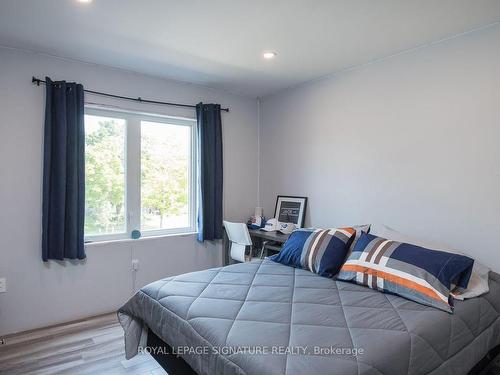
[{"x": 266, "y": 318}]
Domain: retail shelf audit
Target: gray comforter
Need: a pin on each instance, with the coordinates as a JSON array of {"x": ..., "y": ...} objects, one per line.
[{"x": 266, "y": 318}]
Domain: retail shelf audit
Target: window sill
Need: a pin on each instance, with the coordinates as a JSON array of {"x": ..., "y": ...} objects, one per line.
[{"x": 142, "y": 239}]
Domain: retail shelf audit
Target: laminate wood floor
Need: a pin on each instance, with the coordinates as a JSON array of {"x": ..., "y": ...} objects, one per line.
[{"x": 90, "y": 346}]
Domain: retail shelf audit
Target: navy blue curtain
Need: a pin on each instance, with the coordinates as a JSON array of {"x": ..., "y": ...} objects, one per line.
[
  {"x": 63, "y": 172},
  {"x": 210, "y": 169}
]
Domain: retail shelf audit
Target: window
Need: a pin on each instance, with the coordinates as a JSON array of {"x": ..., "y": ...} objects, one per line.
[
  {"x": 165, "y": 167},
  {"x": 139, "y": 174},
  {"x": 104, "y": 175}
]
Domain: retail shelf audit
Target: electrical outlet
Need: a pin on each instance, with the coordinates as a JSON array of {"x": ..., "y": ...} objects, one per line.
[
  {"x": 3, "y": 284},
  {"x": 135, "y": 264}
]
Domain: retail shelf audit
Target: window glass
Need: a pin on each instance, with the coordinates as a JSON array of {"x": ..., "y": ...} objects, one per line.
[
  {"x": 165, "y": 176},
  {"x": 104, "y": 175}
]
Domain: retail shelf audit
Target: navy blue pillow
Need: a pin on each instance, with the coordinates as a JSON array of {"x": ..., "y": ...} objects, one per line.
[{"x": 321, "y": 251}]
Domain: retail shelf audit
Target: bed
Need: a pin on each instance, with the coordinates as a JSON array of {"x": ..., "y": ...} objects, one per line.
[{"x": 266, "y": 318}]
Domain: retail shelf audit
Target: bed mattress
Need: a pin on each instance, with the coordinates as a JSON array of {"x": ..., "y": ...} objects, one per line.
[{"x": 265, "y": 318}]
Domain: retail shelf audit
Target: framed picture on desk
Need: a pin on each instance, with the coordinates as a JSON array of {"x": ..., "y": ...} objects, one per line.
[{"x": 290, "y": 209}]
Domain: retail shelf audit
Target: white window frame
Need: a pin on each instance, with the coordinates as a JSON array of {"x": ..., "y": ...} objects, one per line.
[{"x": 132, "y": 149}]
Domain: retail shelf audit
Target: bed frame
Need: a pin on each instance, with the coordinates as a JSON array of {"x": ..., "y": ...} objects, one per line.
[
  {"x": 172, "y": 363},
  {"x": 175, "y": 365}
]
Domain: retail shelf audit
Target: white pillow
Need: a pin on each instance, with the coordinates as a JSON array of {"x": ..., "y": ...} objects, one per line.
[{"x": 478, "y": 283}]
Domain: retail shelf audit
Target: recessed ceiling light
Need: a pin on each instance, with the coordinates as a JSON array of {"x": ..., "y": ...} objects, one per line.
[
  {"x": 84, "y": 1},
  {"x": 269, "y": 55}
]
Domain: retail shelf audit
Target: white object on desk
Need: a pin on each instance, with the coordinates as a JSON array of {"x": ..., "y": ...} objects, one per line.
[
  {"x": 239, "y": 237},
  {"x": 273, "y": 225}
]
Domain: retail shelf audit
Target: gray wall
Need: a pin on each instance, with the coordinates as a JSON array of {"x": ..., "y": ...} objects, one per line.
[
  {"x": 412, "y": 142},
  {"x": 42, "y": 294}
]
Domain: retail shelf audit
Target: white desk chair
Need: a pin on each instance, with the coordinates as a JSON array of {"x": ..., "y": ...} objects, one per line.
[{"x": 239, "y": 237}]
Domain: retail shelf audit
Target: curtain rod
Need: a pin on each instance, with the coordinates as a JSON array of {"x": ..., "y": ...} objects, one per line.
[{"x": 39, "y": 81}]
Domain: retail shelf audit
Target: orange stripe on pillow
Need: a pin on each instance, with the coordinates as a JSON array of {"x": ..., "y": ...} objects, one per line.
[
  {"x": 349, "y": 230},
  {"x": 393, "y": 279}
]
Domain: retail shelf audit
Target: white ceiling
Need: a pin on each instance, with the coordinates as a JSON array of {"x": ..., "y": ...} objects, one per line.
[{"x": 219, "y": 43}]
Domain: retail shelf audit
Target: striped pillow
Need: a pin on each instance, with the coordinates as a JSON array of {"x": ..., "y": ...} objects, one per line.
[
  {"x": 318, "y": 250},
  {"x": 410, "y": 271}
]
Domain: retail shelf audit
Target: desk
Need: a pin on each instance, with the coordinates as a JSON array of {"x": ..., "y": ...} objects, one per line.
[
  {"x": 268, "y": 236},
  {"x": 257, "y": 237}
]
